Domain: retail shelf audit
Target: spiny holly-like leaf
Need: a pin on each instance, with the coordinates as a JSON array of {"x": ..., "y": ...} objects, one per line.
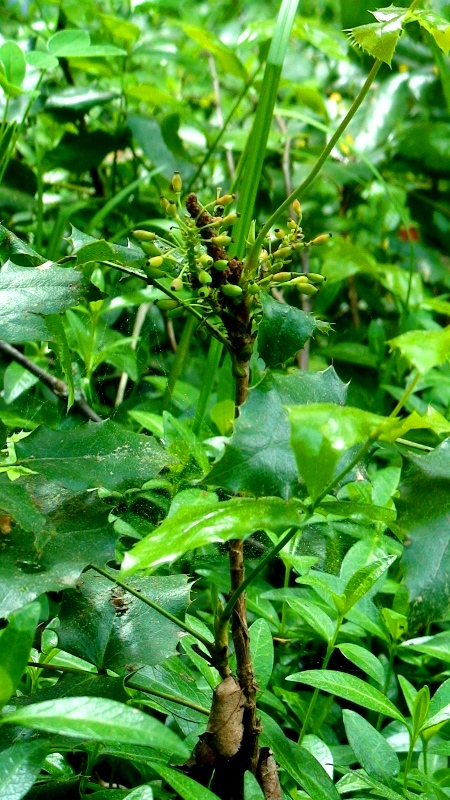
[
  {"x": 284, "y": 330},
  {"x": 424, "y": 349},
  {"x": 112, "y": 629},
  {"x": 436, "y": 25},
  {"x": 92, "y": 455},
  {"x": 77, "y": 532},
  {"x": 258, "y": 458},
  {"x": 27, "y": 293},
  {"x": 380, "y": 38}
]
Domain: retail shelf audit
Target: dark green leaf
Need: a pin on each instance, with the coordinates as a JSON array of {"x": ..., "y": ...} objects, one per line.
[
  {"x": 93, "y": 455},
  {"x": 77, "y": 533},
  {"x": 259, "y": 459},
  {"x": 184, "y": 786},
  {"x": 100, "y": 720},
  {"x": 423, "y": 517},
  {"x": 365, "y": 660},
  {"x": 26, "y": 294},
  {"x": 262, "y": 652},
  {"x": 350, "y": 688},
  {"x": 111, "y": 629},
  {"x": 15, "y": 645},
  {"x": 16, "y": 501},
  {"x": 79, "y": 152},
  {"x": 364, "y": 579},
  {"x": 19, "y": 767},
  {"x": 297, "y": 761},
  {"x": 284, "y": 330},
  {"x": 371, "y": 749}
]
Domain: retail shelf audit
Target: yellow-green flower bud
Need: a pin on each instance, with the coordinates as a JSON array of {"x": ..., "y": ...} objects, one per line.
[
  {"x": 176, "y": 284},
  {"x": 253, "y": 288},
  {"x": 283, "y": 252},
  {"x": 282, "y": 277},
  {"x": 171, "y": 209},
  {"x": 225, "y": 199},
  {"x": 306, "y": 288},
  {"x": 230, "y": 219},
  {"x": 223, "y": 238},
  {"x": 156, "y": 261},
  {"x": 279, "y": 233},
  {"x": 177, "y": 183},
  {"x": 322, "y": 239},
  {"x": 204, "y": 291},
  {"x": 231, "y": 289},
  {"x": 316, "y": 277},
  {"x": 291, "y": 225},
  {"x": 154, "y": 272},
  {"x": 300, "y": 279},
  {"x": 164, "y": 202},
  {"x": 144, "y": 236},
  {"x": 297, "y": 209},
  {"x": 167, "y": 305},
  {"x": 221, "y": 265},
  {"x": 264, "y": 255},
  {"x": 206, "y": 260},
  {"x": 204, "y": 277}
]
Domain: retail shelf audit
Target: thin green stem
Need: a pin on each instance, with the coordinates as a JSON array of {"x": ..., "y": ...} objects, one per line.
[
  {"x": 40, "y": 202},
  {"x": 253, "y": 258},
  {"x": 180, "y": 358},
  {"x": 228, "y": 610},
  {"x": 211, "y": 150},
  {"x": 312, "y": 703},
  {"x": 166, "y": 696},
  {"x": 387, "y": 680},
  {"x": 59, "y": 668},
  {"x": 284, "y": 610},
  {"x": 409, "y": 758},
  {"x": 405, "y": 396},
  {"x": 425, "y": 754},
  {"x": 180, "y": 624},
  {"x": 212, "y": 365}
]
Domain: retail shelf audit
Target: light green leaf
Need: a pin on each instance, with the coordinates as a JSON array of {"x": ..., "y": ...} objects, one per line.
[
  {"x": 371, "y": 749},
  {"x": 363, "y": 579},
  {"x": 262, "y": 652},
  {"x": 15, "y": 644},
  {"x": 252, "y": 789},
  {"x": 41, "y": 60},
  {"x": 77, "y": 44},
  {"x": 424, "y": 349},
  {"x": 297, "y": 761},
  {"x": 350, "y": 688},
  {"x": 100, "y": 720},
  {"x": 365, "y": 660},
  {"x": 380, "y": 38},
  {"x": 20, "y": 765},
  {"x": 199, "y": 526},
  {"x": 317, "y": 619},
  {"x": 437, "y": 26},
  {"x": 13, "y": 61},
  {"x": 184, "y": 786},
  {"x": 437, "y": 646},
  {"x": 321, "y": 433},
  {"x": 226, "y": 57}
]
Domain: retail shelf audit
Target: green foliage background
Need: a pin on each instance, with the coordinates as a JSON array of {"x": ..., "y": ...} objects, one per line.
[{"x": 121, "y": 450}]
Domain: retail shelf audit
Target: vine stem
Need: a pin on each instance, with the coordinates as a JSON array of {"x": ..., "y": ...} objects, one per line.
[
  {"x": 312, "y": 703},
  {"x": 180, "y": 624},
  {"x": 253, "y": 256}
]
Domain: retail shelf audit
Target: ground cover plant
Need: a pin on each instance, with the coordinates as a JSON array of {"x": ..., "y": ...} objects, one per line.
[{"x": 225, "y": 413}]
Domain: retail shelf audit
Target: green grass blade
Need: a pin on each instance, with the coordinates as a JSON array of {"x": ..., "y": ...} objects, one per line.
[{"x": 261, "y": 125}]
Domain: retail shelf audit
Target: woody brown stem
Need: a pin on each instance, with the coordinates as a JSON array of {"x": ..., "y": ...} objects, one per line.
[{"x": 245, "y": 672}]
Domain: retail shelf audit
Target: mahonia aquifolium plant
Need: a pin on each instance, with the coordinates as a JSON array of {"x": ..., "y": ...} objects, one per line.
[{"x": 216, "y": 285}]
